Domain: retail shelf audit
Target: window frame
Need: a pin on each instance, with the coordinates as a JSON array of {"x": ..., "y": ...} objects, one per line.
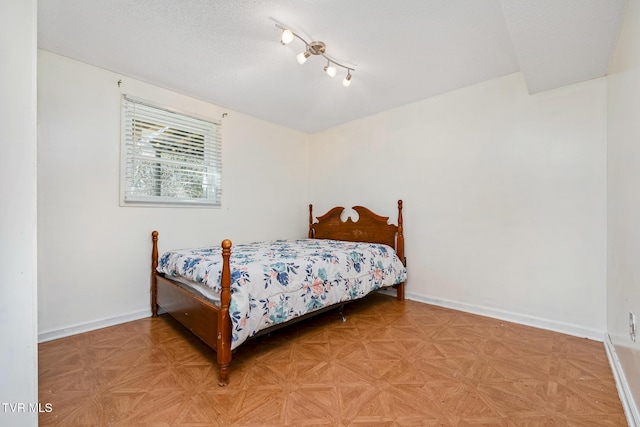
[{"x": 133, "y": 156}]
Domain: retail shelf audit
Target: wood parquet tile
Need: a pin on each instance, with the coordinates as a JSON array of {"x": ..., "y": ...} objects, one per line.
[{"x": 391, "y": 364}]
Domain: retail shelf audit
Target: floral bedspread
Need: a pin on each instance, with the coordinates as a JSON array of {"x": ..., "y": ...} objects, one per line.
[{"x": 272, "y": 282}]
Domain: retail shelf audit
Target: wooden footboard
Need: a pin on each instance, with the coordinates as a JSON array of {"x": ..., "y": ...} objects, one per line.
[
  {"x": 223, "y": 346},
  {"x": 210, "y": 323}
]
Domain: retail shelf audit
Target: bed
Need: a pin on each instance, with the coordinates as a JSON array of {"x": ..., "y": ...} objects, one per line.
[{"x": 226, "y": 299}]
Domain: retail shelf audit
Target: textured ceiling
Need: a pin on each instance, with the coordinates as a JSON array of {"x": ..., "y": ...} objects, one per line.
[{"x": 228, "y": 52}]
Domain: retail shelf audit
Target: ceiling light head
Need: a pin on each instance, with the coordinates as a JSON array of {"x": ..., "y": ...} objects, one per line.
[
  {"x": 302, "y": 57},
  {"x": 287, "y": 36},
  {"x": 347, "y": 80},
  {"x": 330, "y": 70}
]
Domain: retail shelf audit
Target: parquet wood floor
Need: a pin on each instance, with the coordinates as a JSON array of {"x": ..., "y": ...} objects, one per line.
[{"x": 391, "y": 364}]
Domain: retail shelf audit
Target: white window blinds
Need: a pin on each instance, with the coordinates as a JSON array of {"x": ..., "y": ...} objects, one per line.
[{"x": 169, "y": 157}]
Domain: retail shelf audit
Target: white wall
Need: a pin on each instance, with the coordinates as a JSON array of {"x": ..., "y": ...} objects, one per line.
[
  {"x": 623, "y": 272},
  {"x": 94, "y": 256},
  {"x": 504, "y": 195},
  {"x": 18, "y": 233}
]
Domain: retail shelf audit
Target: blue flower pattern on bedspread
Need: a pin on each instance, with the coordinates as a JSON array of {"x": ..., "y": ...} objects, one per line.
[{"x": 273, "y": 282}]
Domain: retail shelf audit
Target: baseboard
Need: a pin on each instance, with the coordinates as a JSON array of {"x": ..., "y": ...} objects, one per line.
[
  {"x": 628, "y": 403},
  {"x": 54, "y": 334},
  {"x": 536, "y": 322},
  {"x": 469, "y": 308}
]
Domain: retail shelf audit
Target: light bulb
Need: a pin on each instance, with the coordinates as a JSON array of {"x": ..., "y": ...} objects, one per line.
[
  {"x": 302, "y": 57},
  {"x": 330, "y": 70},
  {"x": 287, "y": 36},
  {"x": 347, "y": 80}
]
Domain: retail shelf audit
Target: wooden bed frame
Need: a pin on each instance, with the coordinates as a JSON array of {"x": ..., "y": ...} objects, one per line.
[{"x": 212, "y": 323}]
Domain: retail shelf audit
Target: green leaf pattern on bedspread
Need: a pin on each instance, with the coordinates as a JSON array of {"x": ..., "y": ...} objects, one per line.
[{"x": 273, "y": 282}]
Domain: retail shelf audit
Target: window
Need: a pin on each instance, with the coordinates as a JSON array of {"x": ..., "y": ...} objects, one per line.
[{"x": 168, "y": 157}]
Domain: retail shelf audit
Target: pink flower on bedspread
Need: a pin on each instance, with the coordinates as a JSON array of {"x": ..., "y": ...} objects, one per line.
[{"x": 317, "y": 287}]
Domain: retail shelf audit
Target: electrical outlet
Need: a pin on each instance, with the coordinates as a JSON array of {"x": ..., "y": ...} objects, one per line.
[{"x": 633, "y": 326}]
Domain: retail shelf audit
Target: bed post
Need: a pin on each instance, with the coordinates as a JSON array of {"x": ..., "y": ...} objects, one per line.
[
  {"x": 400, "y": 250},
  {"x": 223, "y": 346},
  {"x": 154, "y": 281},
  {"x": 310, "y": 221}
]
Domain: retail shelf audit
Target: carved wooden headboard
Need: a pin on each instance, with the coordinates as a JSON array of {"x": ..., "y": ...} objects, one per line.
[{"x": 370, "y": 227}]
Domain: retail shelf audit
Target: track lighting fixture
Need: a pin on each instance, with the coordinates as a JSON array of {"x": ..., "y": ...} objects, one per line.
[{"x": 315, "y": 48}]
